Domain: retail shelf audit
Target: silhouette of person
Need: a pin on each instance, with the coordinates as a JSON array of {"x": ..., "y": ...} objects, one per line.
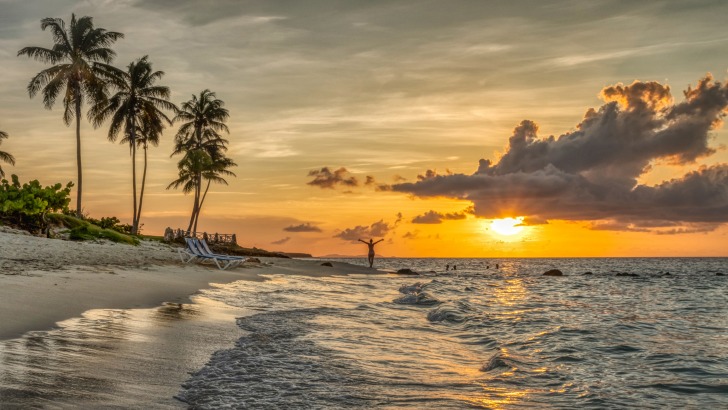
[{"x": 371, "y": 244}]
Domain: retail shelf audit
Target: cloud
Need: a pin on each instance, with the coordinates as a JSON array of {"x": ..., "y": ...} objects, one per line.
[
  {"x": 371, "y": 181},
  {"x": 325, "y": 178},
  {"x": 592, "y": 172},
  {"x": 411, "y": 235},
  {"x": 432, "y": 217},
  {"x": 375, "y": 230},
  {"x": 304, "y": 227},
  {"x": 281, "y": 241}
]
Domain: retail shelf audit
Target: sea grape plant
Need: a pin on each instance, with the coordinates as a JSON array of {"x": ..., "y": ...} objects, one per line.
[{"x": 30, "y": 202}]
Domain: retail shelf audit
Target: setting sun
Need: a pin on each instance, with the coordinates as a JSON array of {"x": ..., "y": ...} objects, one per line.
[{"x": 507, "y": 226}]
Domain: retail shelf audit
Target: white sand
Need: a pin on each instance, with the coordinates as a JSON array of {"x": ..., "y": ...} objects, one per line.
[{"x": 44, "y": 281}]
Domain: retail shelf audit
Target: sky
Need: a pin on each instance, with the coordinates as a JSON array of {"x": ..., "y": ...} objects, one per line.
[{"x": 448, "y": 129}]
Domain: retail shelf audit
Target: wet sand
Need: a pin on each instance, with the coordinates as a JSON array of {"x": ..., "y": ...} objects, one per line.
[
  {"x": 104, "y": 325},
  {"x": 43, "y": 281}
]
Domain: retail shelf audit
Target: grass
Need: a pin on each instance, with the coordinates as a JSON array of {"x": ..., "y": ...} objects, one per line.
[{"x": 81, "y": 230}]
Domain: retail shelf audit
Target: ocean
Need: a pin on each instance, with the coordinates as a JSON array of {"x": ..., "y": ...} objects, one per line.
[
  {"x": 634, "y": 333},
  {"x": 478, "y": 337}
]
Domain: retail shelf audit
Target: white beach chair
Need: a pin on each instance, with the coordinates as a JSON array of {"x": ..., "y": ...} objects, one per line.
[
  {"x": 205, "y": 249},
  {"x": 186, "y": 254},
  {"x": 193, "y": 252}
]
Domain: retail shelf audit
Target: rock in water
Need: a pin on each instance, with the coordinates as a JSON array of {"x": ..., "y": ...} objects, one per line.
[
  {"x": 407, "y": 271},
  {"x": 553, "y": 272},
  {"x": 327, "y": 264}
]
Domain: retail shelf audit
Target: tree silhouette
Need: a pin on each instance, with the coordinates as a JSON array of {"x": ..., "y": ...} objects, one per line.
[
  {"x": 198, "y": 138},
  {"x": 136, "y": 109},
  {"x": 4, "y": 156},
  {"x": 80, "y": 68}
]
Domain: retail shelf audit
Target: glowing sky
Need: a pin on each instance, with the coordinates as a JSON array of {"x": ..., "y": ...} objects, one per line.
[{"x": 370, "y": 118}]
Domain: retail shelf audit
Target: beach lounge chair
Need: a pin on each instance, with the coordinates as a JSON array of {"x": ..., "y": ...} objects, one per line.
[
  {"x": 186, "y": 254},
  {"x": 204, "y": 248},
  {"x": 193, "y": 252}
]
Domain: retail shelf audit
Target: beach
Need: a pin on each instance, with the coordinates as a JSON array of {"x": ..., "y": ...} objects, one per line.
[
  {"x": 101, "y": 325},
  {"x": 131, "y": 315},
  {"x": 46, "y": 280}
]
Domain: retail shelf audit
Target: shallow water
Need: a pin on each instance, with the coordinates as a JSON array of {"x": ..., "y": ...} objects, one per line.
[
  {"x": 478, "y": 337},
  {"x": 116, "y": 358}
]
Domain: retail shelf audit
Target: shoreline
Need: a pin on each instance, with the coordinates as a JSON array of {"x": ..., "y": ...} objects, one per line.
[
  {"x": 45, "y": 281},
  {"x": 102, "y": 325}
]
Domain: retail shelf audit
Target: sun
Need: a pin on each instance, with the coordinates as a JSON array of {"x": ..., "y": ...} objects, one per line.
[{"x": 507, "y": 226}]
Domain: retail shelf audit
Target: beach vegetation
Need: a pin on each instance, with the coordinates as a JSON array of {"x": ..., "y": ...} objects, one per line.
[
  {"x": 136, "y": 111},
  {"x": 80, "y": 70},
  {"x": 200, "y": 142},
  {"x": 4, "y": 156},
  {"x": 26, "y": 205},
  {"x": 84, "y": 230}
]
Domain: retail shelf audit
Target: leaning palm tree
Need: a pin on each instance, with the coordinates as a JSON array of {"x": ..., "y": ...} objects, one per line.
[
  {"x": 190, "y": 166},
  {"x": 80, "y": 67},
  {"x": 137, "y": 104},
  {"x": 214, "y": 172},
  {"x": 203, "y": 119},
  {"x": 4, "y": 156}
]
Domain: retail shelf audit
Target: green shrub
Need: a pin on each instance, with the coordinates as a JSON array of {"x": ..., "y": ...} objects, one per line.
[
  {"x": 81, "y": 230},
  {"x": 112, "y": 223},
  {"x": 27, "y": 204}
]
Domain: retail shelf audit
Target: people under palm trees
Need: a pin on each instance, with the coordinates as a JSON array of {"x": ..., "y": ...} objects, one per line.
[
  {"x": 4, "y": 156},
  {"x": 136, "y": 111},
  {"x": 80, "y": 61},
  {"x": 198, "y": 138}
]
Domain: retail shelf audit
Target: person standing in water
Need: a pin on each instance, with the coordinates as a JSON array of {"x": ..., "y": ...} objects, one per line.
[{"x": 371, "y": 244}]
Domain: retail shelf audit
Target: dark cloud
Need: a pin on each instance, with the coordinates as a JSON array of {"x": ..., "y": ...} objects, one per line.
[
  {"x": 304, "y": 227},
  {"x": 591, "y": 173},
  {"x": 433, "y": 217},
  {"x": 377, "y": 186},
  {"x": 375, "y": 230},
  {"x": 325, "y": 178},
  {"x": 431, "y": 173},
  {"x": 281, "y": 241},
  {"x": 411, "y": 235}
]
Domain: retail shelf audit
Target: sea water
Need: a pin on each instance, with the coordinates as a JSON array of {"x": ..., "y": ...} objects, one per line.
[{"x": 479, "y": 336}]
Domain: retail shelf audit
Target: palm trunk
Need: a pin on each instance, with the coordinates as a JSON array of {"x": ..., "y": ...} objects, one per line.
[
  {"x": 141, "y": 193},
  {"x": 194, "y": 209},
  {"x": 79, "y": 191},
  {"x": 135, "y": 220},
  {"x": 202, "y": 201},
  {"x": 197, "y": 197}
]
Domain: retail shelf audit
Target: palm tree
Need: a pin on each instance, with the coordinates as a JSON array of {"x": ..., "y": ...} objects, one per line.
[
  {"x": 80, "y": 65},
  {"x": 4, "y": 156},
  {"x": 137, "y": 105},
  {"x": 218, "y": 167},
  {"x": 190, "y": 166},
  {"x": 150, "y": 132},
  {"x": 203, "y": 118}
]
